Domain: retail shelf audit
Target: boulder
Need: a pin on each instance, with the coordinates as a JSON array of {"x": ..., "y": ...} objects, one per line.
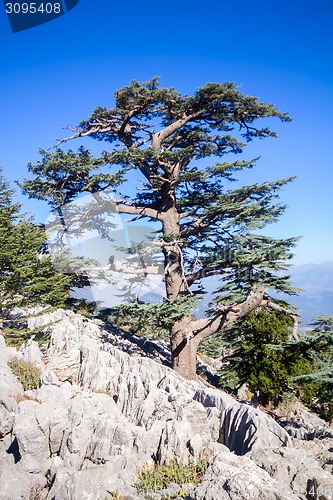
[
  {"x": 242, "y": 427},
  {"x": 291, "y": 466},
  {"x": 232, "y": 477}
]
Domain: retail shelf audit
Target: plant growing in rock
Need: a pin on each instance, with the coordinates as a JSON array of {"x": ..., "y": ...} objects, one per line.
[
  {"x": 24, "y": 397},
  {"x": 26, "y": 373},
  {"x": 115, "y": 496},
  {"x": 36, "y": 493},
  {"x": 163, "y": 475},
  {"x": 182, "y": 148}
]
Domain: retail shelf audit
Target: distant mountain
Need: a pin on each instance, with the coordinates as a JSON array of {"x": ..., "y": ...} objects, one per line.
[
  {"x": 316, "y": 300},
  {"x": 317, "y": 282}
]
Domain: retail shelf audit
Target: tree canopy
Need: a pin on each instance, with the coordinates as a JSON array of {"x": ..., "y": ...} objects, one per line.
[
  {"x": 185, "y": 149},
  {"x": 27, "y": 276}
]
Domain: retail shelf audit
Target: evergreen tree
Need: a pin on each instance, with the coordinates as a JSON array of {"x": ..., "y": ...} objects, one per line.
[
  {"x": 26, "y": 274},
  {"x": 206, "y": 228},
  {"x": 316, "y": 346},
  {"x": 258, "y": 359}
]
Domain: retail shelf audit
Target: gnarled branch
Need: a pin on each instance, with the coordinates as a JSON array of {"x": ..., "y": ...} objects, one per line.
[
  {"x": 203, "y": 328},
  {"x": 269, "y": 304}
]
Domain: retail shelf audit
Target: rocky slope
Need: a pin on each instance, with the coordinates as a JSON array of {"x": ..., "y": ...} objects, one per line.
[{"x": 105, "y": 410}]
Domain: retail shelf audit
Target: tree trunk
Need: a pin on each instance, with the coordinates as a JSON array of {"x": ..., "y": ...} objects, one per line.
[{"x": 184, "y": 349}]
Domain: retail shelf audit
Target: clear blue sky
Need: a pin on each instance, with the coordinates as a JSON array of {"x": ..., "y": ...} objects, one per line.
[{"x": 55, "y": 74}]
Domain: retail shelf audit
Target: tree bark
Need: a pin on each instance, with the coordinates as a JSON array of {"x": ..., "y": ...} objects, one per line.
[
  {"x": 186, "y": 334},
  {"x": 183, "y": 343},
  {"x": 184, "y": 349}
]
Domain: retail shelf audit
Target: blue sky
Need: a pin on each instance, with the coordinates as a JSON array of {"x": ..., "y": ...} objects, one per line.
[{"x": 56, "y": 74}]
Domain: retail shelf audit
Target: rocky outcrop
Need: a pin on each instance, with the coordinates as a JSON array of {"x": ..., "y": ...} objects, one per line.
[
  {"x": 229, "y": 477},
  {"x": 303, "y": 424},
  {"x": 301, "y": 471},
  {"x": 102, "y": 414}
]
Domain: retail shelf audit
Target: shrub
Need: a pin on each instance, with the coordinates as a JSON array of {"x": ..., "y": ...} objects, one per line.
[
  {"x": 162, "y": 475},
  {"x": 35, "y": 492},
  {"x": 27, "y": 373},
  {"x": 258, "y": 358},
  {"x": 16, "y": 336}
]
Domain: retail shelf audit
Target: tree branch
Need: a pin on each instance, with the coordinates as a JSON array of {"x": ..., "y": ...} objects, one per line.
[
  {"x": 124, "y": 207},
  {"x": 228, "y": 314},
  {"x": 158, "y": 138},
  {"x": 197, "y": 227},
  {"x": 121, "y": 267},
  {"x": 269, "y": 304}
]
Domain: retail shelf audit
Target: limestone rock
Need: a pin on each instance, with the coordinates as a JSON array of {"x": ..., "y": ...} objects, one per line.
[
  {"x": 303, "y": 424},
  {"x": 32, "y": 437},
  {"x": 8, "y": 410},
  {"x": 242, "y": 427},
  {"x": 231, "y": 477},
  {"x": 32, "y": 354},
  {"x": 292, "y": 466},
  {"x": 102, "y": 414}
]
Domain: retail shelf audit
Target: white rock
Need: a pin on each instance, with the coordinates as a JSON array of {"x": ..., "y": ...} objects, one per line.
[
  {"x": 232, "y": 477},
  {"x": 105, "y": 414}
]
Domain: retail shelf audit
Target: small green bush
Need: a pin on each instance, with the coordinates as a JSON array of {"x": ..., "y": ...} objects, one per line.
[
  {"x": 162, "y": 475},
  {"x": 27, "y": 373}
]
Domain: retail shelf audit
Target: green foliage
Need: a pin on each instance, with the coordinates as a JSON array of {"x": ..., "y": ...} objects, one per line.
[
  {"x": 181, "y": 147},
  {"x": 253, "y": 360},
  {"x": 152, "y": 320},
  {"x": 27, "y": 276},
  {"x": 263, "y": 356},
  {"x": 316, "y": 386},
  {"x": 83, "y": 306},
  {"x": 17, "y": 332},
  {"x": 26, "y": 373},
  {"x": 218, "y": 121},
  {"x": 163, "y": 475},
  {"x": 213, "y": 346}
]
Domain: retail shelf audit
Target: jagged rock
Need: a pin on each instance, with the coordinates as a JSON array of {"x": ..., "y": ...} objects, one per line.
[
  {"x": 8, "y": 410},
  {"x": 101, "y": 415},
  {"x": 232, "y": 477},
  {"x": 292, "y": 466},
  {"x": 9, "y": 384},
  {"x": 32, "y": 354},
  {"x": 243, "y": 428},
  {"x": 18, "y": 484},
  {"x": 320, "y": 449},
  {"x": 31, "y": 431},
  {"x": 65, "y": 365},
  {"x": 303, "y": 424},
  {"x": 95, "y": 483}
]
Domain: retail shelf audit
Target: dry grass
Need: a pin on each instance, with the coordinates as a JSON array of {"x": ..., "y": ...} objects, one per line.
[{"x": 18, "y": 396}]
